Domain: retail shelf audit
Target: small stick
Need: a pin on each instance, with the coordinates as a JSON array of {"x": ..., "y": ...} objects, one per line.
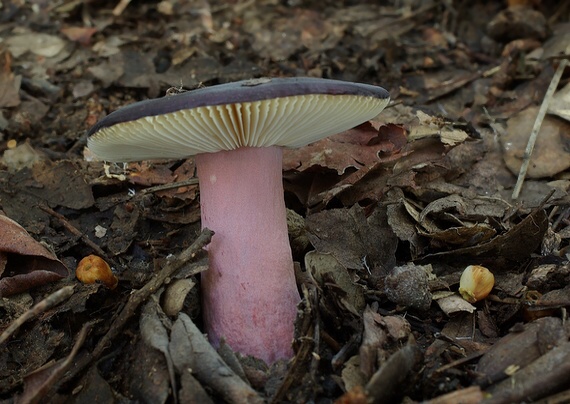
[
  {"x": 52, "y": 300},
  {"x": 120, "y": 7},
  {"x": 537, "y": 124},
  {"x": 191, "y": 181},
  {"x": 73, "y": 230}
]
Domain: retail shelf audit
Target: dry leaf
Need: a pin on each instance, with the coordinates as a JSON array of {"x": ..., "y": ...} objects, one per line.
[
  {"x": 25, "y": 262},
  {"x": 39, "y": 44},
  {"x": 431, "y": 126},
  {"x": 362, "y": 146},
  {"x": 79, "y": 34},
  {"x": 358, "y": 242},
  {"x": 453, "y": 304}
]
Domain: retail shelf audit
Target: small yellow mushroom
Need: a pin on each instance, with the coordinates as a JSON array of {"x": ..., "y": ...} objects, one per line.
[
  {"x": 476, "y": 283},
  {"x": 93, "y": 268}
]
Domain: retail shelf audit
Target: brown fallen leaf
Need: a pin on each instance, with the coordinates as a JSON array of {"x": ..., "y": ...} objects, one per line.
[
  {"x": 381, "y": 333},
  {"x": 148, "y": 174},
  {"x": 362, "y": 146},
  {"x": 432, "y": 126},
  {"x": 390, "y": 382},
  {"x": 79, "y": 34},
  {"x": 39, "y": 44},
  {"x": 327, "y": 271},
  {"x": 515, "y": 245},
  {"x": 301, "y": 27},
  {"x": 517, "y": 21},
  {"x": 521, "y": 347},
  {"x": 24, "y": 263},
  {"x": 361, "y": 243}
]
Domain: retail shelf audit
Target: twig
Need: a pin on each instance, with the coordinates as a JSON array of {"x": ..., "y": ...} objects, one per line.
[
  {"x": 52, "y": 300},
  {"x": 308, "y": 339},
  {"x": 537, "y": 124},
  {"x": 139, "y": 296},
  {"x": 120, "y": 7},
  {"x": 191, "y": 181},
  {"x": 73, "y": 230}
]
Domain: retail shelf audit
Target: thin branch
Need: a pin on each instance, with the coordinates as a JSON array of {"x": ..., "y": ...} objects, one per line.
[
  {"x": 191, "y": 181},
  {"x": 120, "y": 7},
  {"x": 52, "y": 300},
  {"x": 76, "y": 232}
]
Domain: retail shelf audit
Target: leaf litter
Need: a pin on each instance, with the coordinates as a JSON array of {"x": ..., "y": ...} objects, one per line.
[{"x": 383, "y": 218}]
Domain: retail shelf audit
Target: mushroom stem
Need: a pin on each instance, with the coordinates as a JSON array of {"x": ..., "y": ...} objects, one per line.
[{"x": 249, "y": 292}]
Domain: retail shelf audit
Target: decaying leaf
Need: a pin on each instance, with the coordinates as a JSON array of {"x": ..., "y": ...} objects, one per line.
[
  {"x": 79, "y": 34},
  {"x": 352, "y": 376},
  {"x": 453, "y": 303},
  {"x": 175, "y": 295},
  {"x": 145, "y": 173},
  {"x": 516, "y": 245},
  {"x": 304, "y": 28},
  {"x": 95, "y": 388},
  {"x": 388, "y": 383},
  {"x": 326, "y": 268},
  {"x": 449, "y": 222},
  {"x": 24, "y": 263},
  {"x": 436, "y": 127},
  {"x": 56, "y": 183},
  {"x": 549, "y": 276},
  {"x": 38, "y": 383},
  {"x": 37, "y": 43},
  {"x": 358, "y": 242},
  {"x": 463, "y": 236},
  {"x": 547, "y": 375},
  {"x": 362, "y": 146},
  {"x": 380, "y": 334}
]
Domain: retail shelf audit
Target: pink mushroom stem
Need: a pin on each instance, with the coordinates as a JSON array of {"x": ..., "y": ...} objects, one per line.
[{"x": 249, "y": 291}]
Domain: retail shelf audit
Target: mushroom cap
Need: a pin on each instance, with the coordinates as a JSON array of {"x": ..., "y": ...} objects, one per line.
[{"x": 288, "y": 112}]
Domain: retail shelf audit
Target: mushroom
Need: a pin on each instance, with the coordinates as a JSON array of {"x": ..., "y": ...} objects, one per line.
[{"x": 236, "y": 132}]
